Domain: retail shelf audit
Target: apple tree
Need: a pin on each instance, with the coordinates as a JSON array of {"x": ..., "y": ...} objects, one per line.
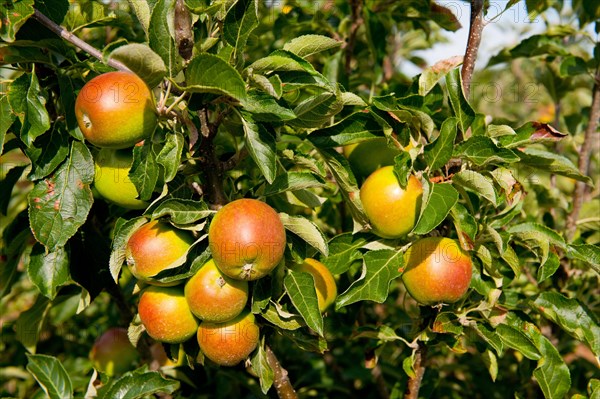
[{"x": 269, "y": 204}]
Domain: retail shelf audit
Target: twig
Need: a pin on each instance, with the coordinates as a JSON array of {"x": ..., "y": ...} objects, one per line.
[
  {"x": 475, "y": 29},
  {"x": 414, "y": 383},
  {"x": 283, "y": 386},
  {"x": 184, "y": 35},
  {"x": 380, "y": 384},
  {"x": 584, "y": 157},
  {"x": 71, "y": 38},
  {"x": 213, "y": 170},
  {"x": 357, "y": 20}
]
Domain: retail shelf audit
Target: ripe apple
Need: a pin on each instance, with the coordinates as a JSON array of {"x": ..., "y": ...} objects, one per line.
[
  {"x": 212, "y": 296},
  {"x": 111, "y": 178},
  {"x": 115, "y": 110},
  {"x": 324, "y": 281},
  {"x": 166, "y": 315},
  {"x": 436, "y": 270},
  {"x": 112, "y": 353},
  {"x": 392, "y": 210},
  {"x": 247, "y": 239},
  {"x": 368, "y": 156},
  {"x": 155, "y": 247},
  {"x": 229, "y": 343}
]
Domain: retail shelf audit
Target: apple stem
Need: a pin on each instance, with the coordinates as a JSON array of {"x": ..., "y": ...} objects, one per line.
[
  {"x": 282, "y": 382},
  {"x": 584, "y": 157},
  {"x": 71, "y": 38}
]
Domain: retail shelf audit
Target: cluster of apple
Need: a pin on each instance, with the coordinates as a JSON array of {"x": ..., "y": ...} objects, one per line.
[
  {"x": 115, "y": 111},
  {"x": 436, "y": 269}
]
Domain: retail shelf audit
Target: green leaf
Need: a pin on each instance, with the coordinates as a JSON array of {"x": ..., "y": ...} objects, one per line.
[
  {"x": 379, "y": 269},
  {"x": 477, "y": 183},
  {"x": 121, "y": 237},
  {"x": 481, "y": 150},
  {"x": 572, "y": 65},
  {"x": 431, "y": 75},
  {"x": 274, "y": 314},
  {"x": 544, "y": 232},
  {"x": 144, "y": 62},
  {"x": 549, "y": 267},
  {"x": 282, "y": 61},
  {"x": 48, "y": 271},
  {"x": 51, "y": 375},
  {"x": 292, "y": 181},
  {"x": 264, "y": 108},
  {"x": 28, "y": 102},
  {"x": 464, "y": 219},
  {"x": 67, "y": 99},
  {"x": 47, "y": 153},
  {"x": 161, "y": 38},
  {"x": 460, "y": 106},
  {"x": 403, "y": 168},
  {"x": 316, "y": 110},
  {"x": 7, "y": 117},
  {"x": 142, "y": 11},
  {"x": 169, "y": 156},
  {"x": 531, "y": 132},
  {"x": 343, "y": 250},
  {"x": 552, "y": 163},
  {"x": 572, "y": 316},
  {"x": 59, "y": 204},
  {"x": 443, "y": 197},
  {"x": 29, "y": 324},
  {"x": 144, "y": 170},
  {"x": 517, "y": 340},
  {"x": 438, "y": 153},
  {"x": 261, "y": 367},
  {"x": 304, "y": 46},
  {"x": 355, "y": 128},
  {"x": 207, "y": 73},
  {"x": 306, "y": 230},
  {"x": 300, "y": 286},
  {"x": 239, "y": 23},
  {"x": 587, "y": 253},
  {"x": 13, "y": 16},
  {"x": 261, "y": 147},
  {"x": 8, "y": 184},
  {"x": 138, "y": 384},
  {"x": 182, "y": 211}
]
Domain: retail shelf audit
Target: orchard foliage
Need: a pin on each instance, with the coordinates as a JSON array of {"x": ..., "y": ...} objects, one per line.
[{"x": 255, "y": 99}]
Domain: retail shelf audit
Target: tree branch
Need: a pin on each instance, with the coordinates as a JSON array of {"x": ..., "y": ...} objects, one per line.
[
  {"x": 356, "y": 6},
  {"x": 214, "y": 168},
  {"x": 283, "y": 386},
  {"x": 584, "y": 157},
  {"x": 475, "y": 29},
  {"x": 184, "y": 35},
  {"x": 414, "y": 383},
  {"x": 71, "y": 38}
]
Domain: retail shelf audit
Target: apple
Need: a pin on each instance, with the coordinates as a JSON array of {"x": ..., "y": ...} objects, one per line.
[
  {"x": 229, "y": 343},
  {"x": 155, "y": 247},
  {"x": 111, "y": 180},
  {"x": 368, "y": 156},
  {"x": 436, "y": 270},
  {"x": 115, "y": 110},
  {"x": 392, "y": 210},
  {"x": 324, "y": 281},
  {"x": 212, "y": 296},
  {"x": 247, "y": 239},
  {"x": 166, "y": 315},
  {"x": 112, "y": 353}
]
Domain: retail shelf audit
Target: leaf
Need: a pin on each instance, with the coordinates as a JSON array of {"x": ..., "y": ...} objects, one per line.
[
  {"x": 264, "y": 108},
  {"x": 549, "y": 267},
  {"x": 460, "y": 106},
  {"x": 288, "y": 321},
  {"x": 144, "y": 62},
  {"x": 142, "y": 11},
  {"x": 51, "y": 375},
  {"x": 7, "y": 117},
  {"x": 477, "y": 183},
  {"x": 29, "y": 324},
  {"x": 306, "y": 230},
  {"x": 282, "y": 61},
  {"x": 466, "y": 221},
  {"x": 306, "y": 45},
  {"x": 431, "y": 75},
  {"x": 207, "y": 73},
  {"x": 261, "y": 147},
  {"x": 67, "y": 99},
  {"x": 292, "y": 181},
  {"x": 240, "y": 21},
  {"x": 169, "y": 156},
  {"x": 403, "y": 168},
  {"x": 572, "y": 316},
  {"x": 316, "y": 110},
  {"x": 531, "y": 132},
  {"x": 355, "y": 128},
  {"x": 552, "y": 163},
  {"x": 379, "y": 269},
  {"x": 261, "y": 367},
  {"x": 59, "y": 204},
  {"x": 144, "y": 170},
  {"x": 121, "y": 237},
  {"x": 161, "y": 38},
  {"x": 47, "y": 153},
  {"x": 138, "y": 384},
  {"x": 443, "y": 197},
  {"x": 587, "y": 253},
  {"x": 541, "y": 230},
  {"x": 182, "y": 211},
  {"x": 13, "y": 16},
  {"x": 438, "y": 153},
  {"x": 515, "y": 339},
  {"x": 8, "y": 184},
  {"x": 571, "y": 66},
  {"x": 48, "y": 271},
  {"x": 300, "y": 286},
  {"x": 481, "y": 150},
  {"x": 28, "y": 102},
  {"x": 343, "y": 250}
]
